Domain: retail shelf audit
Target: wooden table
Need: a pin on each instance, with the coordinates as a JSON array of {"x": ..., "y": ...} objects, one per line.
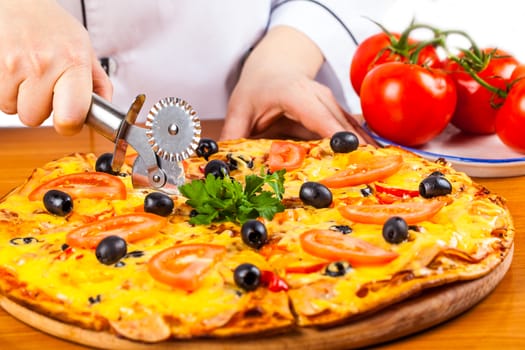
[{"x": 498, "y": 322}]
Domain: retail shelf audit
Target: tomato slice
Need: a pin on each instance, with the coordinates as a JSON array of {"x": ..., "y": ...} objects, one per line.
[
  {"x": 305, "y": 268},
  {"x": 373, "y": 169},
  {"x": 396, "y": 191},
  {"x": 183, "y": 266},
  {"x": 387, "y": 194},
  {"x": 412, "y": 212},
  {"x": 131, "y": 227},
  {"x": 84, "y": 185},
  {"x": 285, "y": 155},
  {"x": 336, "y": 246},
  {"x": 273, "y": 281}
]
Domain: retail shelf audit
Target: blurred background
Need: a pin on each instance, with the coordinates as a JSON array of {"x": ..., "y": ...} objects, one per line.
[{"x": 490, "y": 23}]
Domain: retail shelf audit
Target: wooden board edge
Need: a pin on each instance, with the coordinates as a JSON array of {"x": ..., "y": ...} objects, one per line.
[{"x": 432, "y": 307}]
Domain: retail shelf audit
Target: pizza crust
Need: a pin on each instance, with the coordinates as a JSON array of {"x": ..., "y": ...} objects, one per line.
[{"x": 476, "y": 235}]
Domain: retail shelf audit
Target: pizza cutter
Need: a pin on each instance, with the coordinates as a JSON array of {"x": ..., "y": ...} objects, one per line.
[{"x": 170, "y": 134}]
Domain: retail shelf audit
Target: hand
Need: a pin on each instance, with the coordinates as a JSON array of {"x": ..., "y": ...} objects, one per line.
[
  {"x": 47, "y": 64},
  {"x": 276, "y": 95}
]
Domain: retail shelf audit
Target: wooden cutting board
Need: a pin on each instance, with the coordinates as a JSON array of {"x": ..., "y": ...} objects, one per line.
[{"x": 416, "y": 314}]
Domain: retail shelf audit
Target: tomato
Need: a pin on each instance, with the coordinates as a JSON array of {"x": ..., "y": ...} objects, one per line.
[
  {"x": 305, "y": 268},
  {"x": 375, "y": 168},
  {"x": 412, "y": 212},
  {"x": 377, "y": 49},
  {"x": 286, "y": 155},
  {"x": 396, "y": 191},
  {"x": 406, "y": 103},
  {"x": 84, "y": 185},
  {"x": 518, "y": 73},
  {"x": 510, "y": 119},
  {"x": 477, "y": 106},
  {"x": 130, "y": 227},
  {"x": 273, "y": 281},
  {"x": 335, "y": 246},
  {"x": 387, "y": 195},
  {"x": 183, "y": 266}
]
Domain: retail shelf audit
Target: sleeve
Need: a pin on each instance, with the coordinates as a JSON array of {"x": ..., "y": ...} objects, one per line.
[
  {"x": 74, "y": 7},
  {"x": 336, "y": 27}
]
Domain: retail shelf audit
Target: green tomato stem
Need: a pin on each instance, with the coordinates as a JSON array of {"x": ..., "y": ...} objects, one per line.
[
  {"x": 474, "y": 60},
  {"x": 477, "y": 78}
]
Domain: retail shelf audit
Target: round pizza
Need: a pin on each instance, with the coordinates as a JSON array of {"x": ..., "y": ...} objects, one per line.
[{"x": 263, "y": 236}]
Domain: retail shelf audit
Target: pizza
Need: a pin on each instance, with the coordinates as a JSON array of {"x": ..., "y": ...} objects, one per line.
[{"x": 265, "y": 236}]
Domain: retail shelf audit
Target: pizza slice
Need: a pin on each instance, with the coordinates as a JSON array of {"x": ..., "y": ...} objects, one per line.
[{"x": 265, "y": 236}]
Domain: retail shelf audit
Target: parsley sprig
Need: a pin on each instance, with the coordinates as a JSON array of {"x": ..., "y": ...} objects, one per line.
[{"x": 216, "y": 200}]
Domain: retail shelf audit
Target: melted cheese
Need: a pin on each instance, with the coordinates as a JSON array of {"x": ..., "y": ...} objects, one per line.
[{"x": 128, "y": 292}]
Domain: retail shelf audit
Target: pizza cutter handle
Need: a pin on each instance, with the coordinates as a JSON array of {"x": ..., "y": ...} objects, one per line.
[
  {"x": 119, "y": 128},
  {"x": 113, "y": 124},
  {"x": 105, "y": 118}
]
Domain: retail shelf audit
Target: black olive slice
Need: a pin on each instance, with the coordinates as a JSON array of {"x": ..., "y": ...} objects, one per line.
[
  {"x": 103, "y": 164},
  {"x": 367, "y": 191},
  {"x": 135, "y": 254},
  {"x": 344, "y": 229},
  {"x": 337, "y": 268},
  {"x": 95, "y": 300},
  {"x": 344, "y": 142},
  {"x": 58, "y": 202},
  {"x": 111, "y": 249},
  {"x": 315, "y": 194},
  {"x": 158, "y": 203},
  {"x": 434, "y": 186},
  {"x": 217, "y": 168},
  {"x": 395, "y": 230},
  {"x": 235, "y": 161},
  {"x": 254, "y": 234},
  {"x": 23, "y": 240},
  {"x": 206, "y": 148},
  {"x": 247, "y": 276}
]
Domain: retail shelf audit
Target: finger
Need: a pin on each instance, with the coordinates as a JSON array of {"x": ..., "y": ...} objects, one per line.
[
  {"x": 8, "y": 97},
  {"x": 72, "y": 99},
  {"x": 338, "y": 115},
  {"x": 327, "y": 98},
  {"x": 348, "y": 123},
  {"x": 238, "y": 121},
  {"x": 284, "y": 128},
  {"x": 102, "y": 85},
  {"x": 362, "y": 134},
  {"x": 10, "y": 79},
  {"x": 314, "y": 115},
  {"x": 35, "y": 100}
]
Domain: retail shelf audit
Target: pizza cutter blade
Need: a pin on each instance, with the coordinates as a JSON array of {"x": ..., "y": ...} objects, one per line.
[{"x": 170, "y": 135}]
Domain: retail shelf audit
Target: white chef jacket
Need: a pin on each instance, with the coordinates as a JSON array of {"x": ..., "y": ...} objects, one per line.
[{"x": 193, "y": 49}]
